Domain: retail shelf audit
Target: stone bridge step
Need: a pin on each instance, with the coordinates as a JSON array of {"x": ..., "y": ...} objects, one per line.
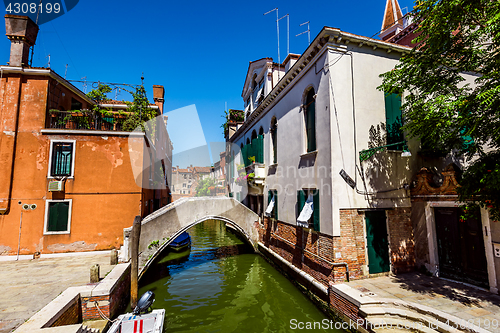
[{"x": 423, "y": 319}]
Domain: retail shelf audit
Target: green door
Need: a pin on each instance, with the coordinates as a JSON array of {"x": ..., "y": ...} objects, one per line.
[{"x": 376, "y": 242}]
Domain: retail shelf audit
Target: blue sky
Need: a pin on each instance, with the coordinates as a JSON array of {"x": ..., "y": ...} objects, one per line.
[{"x": 198, "y": 50}]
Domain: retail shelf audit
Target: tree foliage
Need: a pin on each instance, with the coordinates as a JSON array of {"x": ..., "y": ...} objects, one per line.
[
  {"x": 444, "y": 109},
  {"x": 202, "y": 189},
  {"x": 140, "y": 110}
]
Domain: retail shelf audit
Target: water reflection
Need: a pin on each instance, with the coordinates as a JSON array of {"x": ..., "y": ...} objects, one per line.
[{"x": 221, "y": 286}]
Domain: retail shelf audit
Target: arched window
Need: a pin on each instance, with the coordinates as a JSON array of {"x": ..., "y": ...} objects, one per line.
[
  {"x": 274, "y": 139},
  {"x": 254, "y": 134},
  {"x": 248, "y": 141},
  {"x": 261, "y": 131},
  {"x": 310, "y": 121}
]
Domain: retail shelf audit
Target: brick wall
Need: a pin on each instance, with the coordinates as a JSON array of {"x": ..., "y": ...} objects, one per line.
[
  {"x": 71, "y": 316},
  {"x": 288, "y": 241},
  {"x": 110, "y": 304},
  {"x": 401, "y": 240},
  {"x": 89, "y": 309}
]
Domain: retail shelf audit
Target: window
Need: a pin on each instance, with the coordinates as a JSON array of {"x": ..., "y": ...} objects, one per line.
[
  {"x": 310, "y": 120},
  {"x": 308, "y": 208},
  {"x": 57, "y": 216},
  {"x": 274, "y": 140},
  {"x": 394, "y": 120},
  {"x": 62, "y": 158},
  {"x": 75, "y": 105},
  {"x": 272, "y": 204}
]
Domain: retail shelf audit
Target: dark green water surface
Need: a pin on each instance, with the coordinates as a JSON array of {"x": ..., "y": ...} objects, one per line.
[{"x": 220, "y": 286}]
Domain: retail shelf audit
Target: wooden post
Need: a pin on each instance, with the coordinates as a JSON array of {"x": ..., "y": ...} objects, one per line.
[
  {"x": 134, "y": 261},
  {"x": 113, "y": 260},
  {"x": 94, "y": 273}
]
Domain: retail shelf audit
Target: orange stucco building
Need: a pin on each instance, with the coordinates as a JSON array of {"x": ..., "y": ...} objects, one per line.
[{"x": 96, "y": 194}]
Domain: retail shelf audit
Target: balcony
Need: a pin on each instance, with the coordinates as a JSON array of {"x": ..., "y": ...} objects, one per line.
[{"x": 84, "y": 120}]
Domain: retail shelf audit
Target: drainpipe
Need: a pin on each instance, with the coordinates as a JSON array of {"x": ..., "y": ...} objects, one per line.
[{"x": 334, "y": 264}]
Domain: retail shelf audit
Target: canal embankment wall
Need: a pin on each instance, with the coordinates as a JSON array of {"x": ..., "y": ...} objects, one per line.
[{"x": 66, "y": 312}]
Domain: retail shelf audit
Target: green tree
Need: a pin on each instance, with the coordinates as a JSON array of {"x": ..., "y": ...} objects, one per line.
[
  {"x": 202, "y": 189},
  {"x": 140, "y": 110},
  {"x": 444, "y": 110}
]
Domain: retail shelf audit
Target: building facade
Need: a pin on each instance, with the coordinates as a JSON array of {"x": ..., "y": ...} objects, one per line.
[
  {"x": 67, "y": 181},
  {"x": 321, "y": 157}
]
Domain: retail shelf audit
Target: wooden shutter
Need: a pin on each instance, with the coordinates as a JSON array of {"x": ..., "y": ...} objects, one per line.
[
  {"x": 301, "y": 201},
  {"x": 58, "y": 216},
  {"x": 316, "y": 210},
  {"x": 311, "y": 127},
  {"x": 393, "y": 118}
]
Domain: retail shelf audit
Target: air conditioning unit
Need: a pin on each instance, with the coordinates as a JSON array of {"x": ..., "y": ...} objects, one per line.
[{"x": 56, "y": 185}]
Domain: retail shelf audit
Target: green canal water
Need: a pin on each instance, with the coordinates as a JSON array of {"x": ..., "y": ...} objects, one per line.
[{"x": 219, "y": 285}]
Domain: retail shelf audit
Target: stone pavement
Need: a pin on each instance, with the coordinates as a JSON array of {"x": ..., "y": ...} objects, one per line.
[
  {"x": 26, "y": 286},
  {"x": 456, "y": 299}
]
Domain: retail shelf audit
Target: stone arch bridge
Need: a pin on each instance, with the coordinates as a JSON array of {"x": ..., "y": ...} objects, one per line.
[{"x": 164, "y": 225}]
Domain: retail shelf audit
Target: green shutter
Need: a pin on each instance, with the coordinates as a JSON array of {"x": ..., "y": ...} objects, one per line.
[
  {"x": 311, "y": 127},
  {"x": 316, "y": 210},
  {"x": 274, "y": 138},
  {"x": 269, "y": 196},
  {"x": 393, "y": 117},
  {"x": 258, "y": 149},
  {"x": 275, "y": 209},
  {"x": 58, "y": 216},
  {"x": 301, "y": 201}
]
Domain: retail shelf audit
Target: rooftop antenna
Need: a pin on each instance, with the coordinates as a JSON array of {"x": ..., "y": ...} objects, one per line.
[
  {"x": 287, "y": 33},
  {"x": 308, "y": 32},
  {"x": 48, "y": 64},
  {"x": 66, "y": 71},
  {"x": 278, "y": 31}
]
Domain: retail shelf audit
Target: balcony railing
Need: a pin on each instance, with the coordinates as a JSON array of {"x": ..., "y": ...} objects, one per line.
[{"x": 85, "y": 120}]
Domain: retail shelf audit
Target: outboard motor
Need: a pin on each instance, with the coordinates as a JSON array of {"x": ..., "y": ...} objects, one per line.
[{"x": 144, "y": 302}]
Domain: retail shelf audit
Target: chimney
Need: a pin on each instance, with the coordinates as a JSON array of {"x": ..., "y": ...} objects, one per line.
[
  {"x": 22, "y": 32},
  {"x": 158, "y": 94}
]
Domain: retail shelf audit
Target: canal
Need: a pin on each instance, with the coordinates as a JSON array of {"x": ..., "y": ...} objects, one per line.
[{"x": 219, "y": 285}]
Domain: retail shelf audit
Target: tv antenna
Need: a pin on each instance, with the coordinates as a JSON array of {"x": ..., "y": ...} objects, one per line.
[
  {"x": 287, "y": 33},
  {"x": 308, "y": 32},
  {"x": 278, "y": 32}
]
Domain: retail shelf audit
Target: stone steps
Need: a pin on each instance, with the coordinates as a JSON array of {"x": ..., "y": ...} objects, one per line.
[{"x": 417, "y": 317}]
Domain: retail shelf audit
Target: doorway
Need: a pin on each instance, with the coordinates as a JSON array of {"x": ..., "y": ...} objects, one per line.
[
  {"x": 460, "y": 244},
  {"x": 377, "y": 242}
]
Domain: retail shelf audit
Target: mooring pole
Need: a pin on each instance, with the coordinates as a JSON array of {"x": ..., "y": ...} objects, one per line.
[{"x": 134, "y": 261}]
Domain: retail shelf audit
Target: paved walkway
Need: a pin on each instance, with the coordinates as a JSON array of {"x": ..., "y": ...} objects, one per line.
[
  {"x": 459, "y": 300},
  {"x": 26, "y": 286}
]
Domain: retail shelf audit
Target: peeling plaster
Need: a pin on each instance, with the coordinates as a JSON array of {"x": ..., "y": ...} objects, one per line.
[
  {"x": 76, "y": 246},
  {"x": 111, "y": 150},
  {"x": 5, "y": 249},
  {"x": 10, "y": 133},
  {"x": 41, "y": 157}
]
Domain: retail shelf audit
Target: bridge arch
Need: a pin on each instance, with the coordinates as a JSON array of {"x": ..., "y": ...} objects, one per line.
[{"x": 164, "y": 225}]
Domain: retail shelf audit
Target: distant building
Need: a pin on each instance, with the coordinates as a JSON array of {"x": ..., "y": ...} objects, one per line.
[{"x": 67, "y": 174}]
